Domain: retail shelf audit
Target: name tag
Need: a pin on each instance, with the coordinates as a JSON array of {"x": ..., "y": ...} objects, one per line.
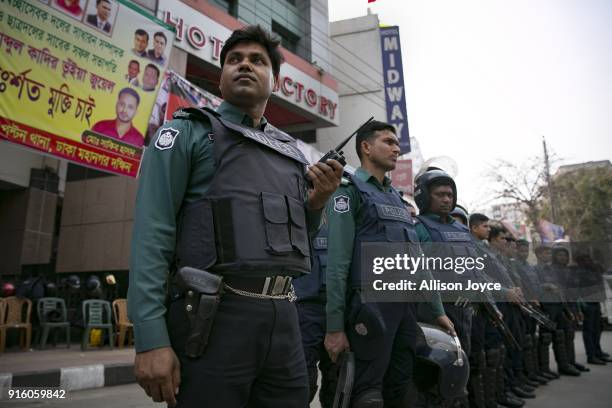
[
  {"x": 456, "y": 236},
  {"x": 391, "y": 212},
  {"x": 320, "y": 243}
]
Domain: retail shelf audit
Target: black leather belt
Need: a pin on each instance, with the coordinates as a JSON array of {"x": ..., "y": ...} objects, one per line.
[{"x": 270, "y": 286}]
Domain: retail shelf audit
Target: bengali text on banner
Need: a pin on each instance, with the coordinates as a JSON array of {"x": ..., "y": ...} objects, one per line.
[{"x": 79, "y": 79}]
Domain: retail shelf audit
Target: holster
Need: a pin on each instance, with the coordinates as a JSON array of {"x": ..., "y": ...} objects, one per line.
[{"x": 203, "y": 292}]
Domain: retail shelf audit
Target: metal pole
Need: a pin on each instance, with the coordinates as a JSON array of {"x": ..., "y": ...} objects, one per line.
[{"x": 551, "y": 193}]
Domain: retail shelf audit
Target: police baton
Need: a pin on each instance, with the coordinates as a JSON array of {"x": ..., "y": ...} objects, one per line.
[{"x": 346, "y": 374}]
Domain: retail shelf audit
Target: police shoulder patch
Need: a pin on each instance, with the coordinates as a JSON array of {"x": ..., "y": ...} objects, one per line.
[
  {"x": 166, "y": 138},
  {"x": 341, "y": 204}
]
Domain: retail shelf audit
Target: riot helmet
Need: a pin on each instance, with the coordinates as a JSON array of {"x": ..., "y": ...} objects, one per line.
[
  {"x": 93, "y": 283},
  {"x": 441, "y": 365},
  {"x": 8, "y": 289},
  {"x": 73, "y": 282},
  {"x": 423, "y": 186},
  {"x": 461, "y": 212}
]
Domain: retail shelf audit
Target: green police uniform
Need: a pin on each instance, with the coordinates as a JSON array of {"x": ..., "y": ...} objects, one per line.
[
  {"x": 381, "y": 334},
  {"x": 342, "y": 234},
  {"x": 177, "y": 169}
]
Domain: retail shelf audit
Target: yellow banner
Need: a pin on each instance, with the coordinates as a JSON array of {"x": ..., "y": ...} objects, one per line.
[{"x": 80, "y": 76}]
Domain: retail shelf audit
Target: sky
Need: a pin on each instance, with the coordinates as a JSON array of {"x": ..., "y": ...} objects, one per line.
[{"x": 485, "y": 79}]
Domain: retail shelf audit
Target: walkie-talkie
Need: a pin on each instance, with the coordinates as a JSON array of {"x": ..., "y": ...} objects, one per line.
[{"x": 337, "y": 154}]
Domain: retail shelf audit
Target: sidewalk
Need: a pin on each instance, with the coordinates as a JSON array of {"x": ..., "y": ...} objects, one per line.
[{"x": 68, "y": 369}]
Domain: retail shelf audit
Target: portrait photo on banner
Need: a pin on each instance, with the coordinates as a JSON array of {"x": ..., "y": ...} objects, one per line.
[
  {"x": 151, "y": 45},
  {"x": 101, "y": 15},
  {"x": 72, "y": 8},
  {"x": 121, "y": 126}
]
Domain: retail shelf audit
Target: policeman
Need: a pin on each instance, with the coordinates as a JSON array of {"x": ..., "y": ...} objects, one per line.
[
  {"x": 481, "y": 385},
  {"x": 444, "y": 222},
  {"x": 382, "y": 335},
  {"x": 502, "y": 244},
  {"x": 310, "y": 292},
  {"x": 476, "y": 390},
  {"x": 560, "y": 261},
  {"x": 497, "y": 389},
  {"x": 548, "y": 295},
  {"x": 224, "y": 192},
  {"x": 436, "y": 196},
  {"x": 556, "y": 308},
  {"x": 530, "y": 289},
  {"x": 589, "y": 281}
]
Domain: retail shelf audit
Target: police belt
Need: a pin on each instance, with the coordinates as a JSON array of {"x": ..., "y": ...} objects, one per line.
[{"x": 271, "y": 287}]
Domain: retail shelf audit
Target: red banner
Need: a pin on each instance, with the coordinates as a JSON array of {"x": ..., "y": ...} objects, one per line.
[{"x": 94, "y": 150}]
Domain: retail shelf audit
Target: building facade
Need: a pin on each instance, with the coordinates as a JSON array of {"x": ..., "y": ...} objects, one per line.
[
  {"x": 57, "y": 217},
  {"x": 357, "y": 54}
]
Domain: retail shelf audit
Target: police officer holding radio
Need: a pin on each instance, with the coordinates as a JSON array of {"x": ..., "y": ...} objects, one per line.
[
  {"x": 223, "y": 204},
  {"x": 381, "y": 335}
]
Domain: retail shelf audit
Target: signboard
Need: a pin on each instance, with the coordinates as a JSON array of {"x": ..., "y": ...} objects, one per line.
[
  {"x": 401, "y": 177},
  {"x": 203, "y": 37},
  {"x": 79, "y": 79},
  {"x": 395, "y": 94}
]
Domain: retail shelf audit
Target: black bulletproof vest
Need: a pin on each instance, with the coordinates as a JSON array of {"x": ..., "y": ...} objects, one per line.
[
  {"x": 312, "y": 285},
  {"x": 385, "y": 219},
  {"x": 494, "y": 267},
  {"x": 454, "y": 240},
  {"x": 252, "y": 221},
  {"x": 530, "y": 284}
]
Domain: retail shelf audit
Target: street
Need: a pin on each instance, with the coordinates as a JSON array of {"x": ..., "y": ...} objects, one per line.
[{"x": 590, "y": 390}]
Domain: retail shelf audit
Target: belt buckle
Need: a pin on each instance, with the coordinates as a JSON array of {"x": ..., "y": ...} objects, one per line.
[
  {"x": 280, "y": 285},
  {"x": 276, "y": 285}
]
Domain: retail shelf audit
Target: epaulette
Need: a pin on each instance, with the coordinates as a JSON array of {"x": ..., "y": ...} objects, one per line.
[
  {"x": 191, "y": 114},
  {"x": 346, "y": 181}
]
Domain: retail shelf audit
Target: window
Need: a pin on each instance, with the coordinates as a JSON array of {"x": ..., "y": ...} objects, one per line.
[
  {"x": 231, "y": 6},
  {"x": 288, "y": 39}
]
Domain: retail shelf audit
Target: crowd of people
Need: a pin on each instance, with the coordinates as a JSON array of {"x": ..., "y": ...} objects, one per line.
[{"x": 507, "y": 333}]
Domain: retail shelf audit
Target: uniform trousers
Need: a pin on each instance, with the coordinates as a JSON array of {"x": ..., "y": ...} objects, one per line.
[
  {"x": 462, "y": 320},
  {"x": 591, "y": 329},
  {"x": 254, "y": 356},
  {"x": 312, "y": 325},
  {"x": 386, "y": 362}
]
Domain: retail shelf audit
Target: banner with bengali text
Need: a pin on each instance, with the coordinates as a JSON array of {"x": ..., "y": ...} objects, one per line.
[{"x": 79, "y": 78}]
